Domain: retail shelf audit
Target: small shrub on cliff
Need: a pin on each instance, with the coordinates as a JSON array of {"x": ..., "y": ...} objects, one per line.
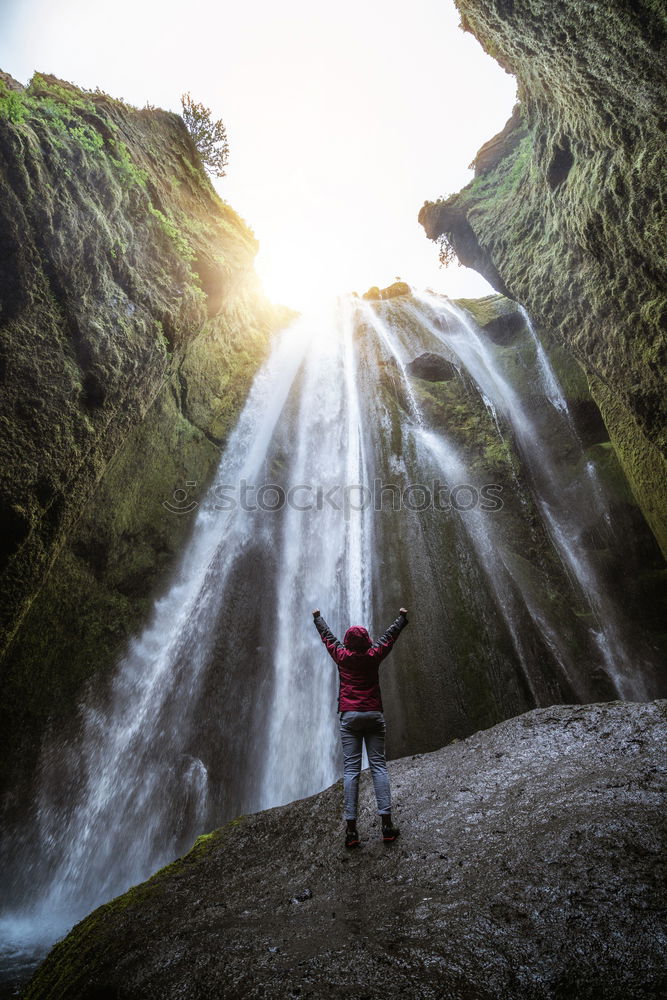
[
  {"x": 180, "y": 243},
  {"x": 12, "y": 106},
  {"x": 210, "y": 137}
]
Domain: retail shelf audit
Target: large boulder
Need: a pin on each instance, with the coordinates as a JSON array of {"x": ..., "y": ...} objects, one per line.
[
  {"x": 529, "y": 867},
  {"x": 398, "y": 288}
]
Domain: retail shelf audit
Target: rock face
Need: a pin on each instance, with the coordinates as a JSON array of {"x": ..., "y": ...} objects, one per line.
[
  {"x": 131, "y": 326},
  {"x": 493, "y": 151},
  {"x": 528, "y": 867},
  {"x": 502, "y": 321},
  {"x": 390, "y": 292},
  {"x": 565, "y": 211},
  {"x": 431, "y": 367}
]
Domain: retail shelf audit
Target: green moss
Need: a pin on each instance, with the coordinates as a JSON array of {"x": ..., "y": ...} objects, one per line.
[
  {"x": 60, "y": 110},
  {"x": 461, "y": 412},
  {"x": 643, "y": 465},
  {"x": 12, "y": 105},
  {"x": 511, "y": 172},
  {"x": 488, "y": 308},
  {"x": 182, "y": 245},
  {"x": 130, "y": 174},
  {"x": 69, "y": 963}
]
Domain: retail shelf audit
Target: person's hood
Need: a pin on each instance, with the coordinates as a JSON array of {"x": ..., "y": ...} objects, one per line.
[{"x": 357, "y": 639}]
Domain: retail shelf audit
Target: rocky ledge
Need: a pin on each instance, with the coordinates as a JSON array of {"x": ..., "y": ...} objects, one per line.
[{"x": 529, "y": 866}]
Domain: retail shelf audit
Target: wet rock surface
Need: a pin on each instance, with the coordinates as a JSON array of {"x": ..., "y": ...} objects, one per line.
[
  {"x": 504, "y": 329},
  {"x": 529, "y": 866},
  {"x": 390, "y": 292},
  {"x": 431, "y": 367}
]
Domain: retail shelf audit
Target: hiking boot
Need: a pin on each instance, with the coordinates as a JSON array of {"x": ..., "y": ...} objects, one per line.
[
  {"x": 352, "y": 839},
  {"x": 389, "y": 833}
]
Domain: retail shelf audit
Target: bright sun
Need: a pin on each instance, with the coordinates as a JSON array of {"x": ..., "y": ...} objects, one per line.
[{"x": 301, "y": 279}]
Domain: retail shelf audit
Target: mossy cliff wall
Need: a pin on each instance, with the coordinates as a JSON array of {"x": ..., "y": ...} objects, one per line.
[
  {"x": 565, "y": 213},
  {"x": 131, "y": 326}
]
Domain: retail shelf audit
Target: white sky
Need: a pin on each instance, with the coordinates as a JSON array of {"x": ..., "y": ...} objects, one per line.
[{"x": 342, "y": 118}]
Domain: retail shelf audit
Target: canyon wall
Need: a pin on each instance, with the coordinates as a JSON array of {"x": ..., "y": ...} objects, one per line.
[
  {"x": 131, "y": 326},
  {"x": 566, "y": 210}
]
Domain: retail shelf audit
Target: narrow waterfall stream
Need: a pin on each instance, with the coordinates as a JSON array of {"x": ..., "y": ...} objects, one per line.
[
  {"x": 562, "y": 500},
  {"x": 226, "y": 703},
  {"x": 325, "y": 560},
  {"x": 479, "y": 528}
]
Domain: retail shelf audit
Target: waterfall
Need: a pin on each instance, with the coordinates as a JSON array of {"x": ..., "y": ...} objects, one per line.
[
  {"x": 118, "y": 803},
  {"x": 326, "y": 562},
  {"x": 136, "y": 787},
  {"x": 226, "y": 701},
  {"x": 562, "y": 500},
  {"x": 480, "y": 530}
]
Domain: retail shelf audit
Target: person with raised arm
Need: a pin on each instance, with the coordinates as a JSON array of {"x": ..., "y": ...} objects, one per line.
[{"x": 361, "y": 715}]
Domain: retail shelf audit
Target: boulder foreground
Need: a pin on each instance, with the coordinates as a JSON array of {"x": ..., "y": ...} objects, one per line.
[{"x": 529, "y": 866}]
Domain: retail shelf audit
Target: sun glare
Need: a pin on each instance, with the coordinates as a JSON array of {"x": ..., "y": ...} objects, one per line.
[
  {"x": 288, "y": 278},
  {"x": 302, "y": 276}
]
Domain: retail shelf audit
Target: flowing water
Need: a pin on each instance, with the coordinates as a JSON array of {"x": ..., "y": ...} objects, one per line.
[
  {"x": 564, "y": 502},
  {"x": 225, "y": 703}
]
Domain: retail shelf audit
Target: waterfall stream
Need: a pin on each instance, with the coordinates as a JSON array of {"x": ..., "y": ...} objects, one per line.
[
  {"x": 226, "y": 702},
  {"x": 561, "y": 500}
]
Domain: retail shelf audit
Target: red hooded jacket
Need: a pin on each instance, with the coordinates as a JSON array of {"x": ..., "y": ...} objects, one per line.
[{"x": 358, "y": 659}]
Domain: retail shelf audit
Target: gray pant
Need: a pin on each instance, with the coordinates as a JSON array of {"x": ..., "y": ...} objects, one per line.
[{"x": 355, "y": 729}]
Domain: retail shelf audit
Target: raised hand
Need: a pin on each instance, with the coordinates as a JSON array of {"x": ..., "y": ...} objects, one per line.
[
  {"x": 402, "y": 611},
  {"x": 316, "y": 612}
]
